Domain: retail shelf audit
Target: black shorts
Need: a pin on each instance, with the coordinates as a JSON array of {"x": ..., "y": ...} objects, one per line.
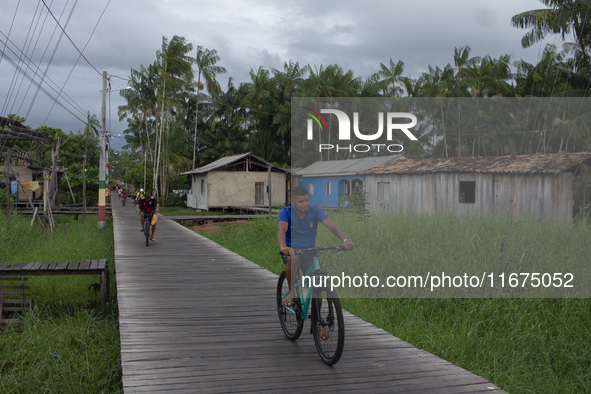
[{"x": 305, "y": 260}]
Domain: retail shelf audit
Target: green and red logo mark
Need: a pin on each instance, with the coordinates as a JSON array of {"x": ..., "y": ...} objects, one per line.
[{"x": 315, "y": 115}]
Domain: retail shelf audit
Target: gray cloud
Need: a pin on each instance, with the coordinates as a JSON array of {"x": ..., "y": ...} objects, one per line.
[{"x": 249, "y": 34}]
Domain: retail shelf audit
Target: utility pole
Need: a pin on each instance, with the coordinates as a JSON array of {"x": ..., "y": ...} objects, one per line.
[
  {"x": 269, "y": 188},
  {"x": 84, "y": 187},
  {"x": 102, "y": 161}
]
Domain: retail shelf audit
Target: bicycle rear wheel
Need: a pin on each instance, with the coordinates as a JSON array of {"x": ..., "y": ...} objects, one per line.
[
  {"x": 328, "y": 327},
  {"x": 291, "y": 324}
]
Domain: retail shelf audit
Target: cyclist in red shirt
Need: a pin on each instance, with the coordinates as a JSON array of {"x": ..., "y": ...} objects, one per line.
[{"x": 148, "y": 205}]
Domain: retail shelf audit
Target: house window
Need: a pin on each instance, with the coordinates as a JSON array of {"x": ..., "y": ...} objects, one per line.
[
  {"x": 347, "y": 188},
  {"x": 357, "y": 186},
  {"x": 384, "y": 191},
  {"x": 327, "y": 188},
  {"x": 311, "y": 188},
  {"x": 467, "y": 192},
  {"x": 203, "y": 186}
]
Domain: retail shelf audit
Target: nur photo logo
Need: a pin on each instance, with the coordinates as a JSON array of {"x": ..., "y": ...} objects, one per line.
[{"x": 392, "y": 120}]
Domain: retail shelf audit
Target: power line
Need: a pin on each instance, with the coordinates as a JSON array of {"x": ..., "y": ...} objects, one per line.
[
  {"x": 52, "y": 55},
  {"x": 40, "y": 61},
  {"x": 19, "y": 69},
  {"x": 15, "y": 76},
  {"x": 81, "y": 54},
  {"x": 32, "y": 52},
  {"x": 43, "y": 75},
  {"x": 11, "y": 24},
  {"x": 75, "y": 64}
]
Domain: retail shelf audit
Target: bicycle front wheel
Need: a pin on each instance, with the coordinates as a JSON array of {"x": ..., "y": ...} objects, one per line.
[
  {"x": 328, "y": 326},
  {"x": 147, "y": 231},
  {"x": 290, "y": 319}
]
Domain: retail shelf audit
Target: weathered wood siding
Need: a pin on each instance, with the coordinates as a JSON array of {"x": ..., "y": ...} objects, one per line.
[
  {"x": 236, "y": 188},
  {"x": 200, "y": 198},
  {"x": 540, "y": 195}
]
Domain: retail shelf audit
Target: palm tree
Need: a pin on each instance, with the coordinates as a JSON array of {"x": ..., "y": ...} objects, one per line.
[
  {"x": 562, "y": 17},
  {"x": 206, "y": 66},
  {"x": 175, "y": 67},
  {"x": 391, "y": 78},
  {"x": 90, "y": 128}
]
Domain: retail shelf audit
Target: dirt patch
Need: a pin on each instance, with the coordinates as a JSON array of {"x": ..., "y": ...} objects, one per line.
[{"x": 210, "y": 228}]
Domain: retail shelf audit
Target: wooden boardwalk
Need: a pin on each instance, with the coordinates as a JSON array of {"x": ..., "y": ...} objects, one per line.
[{"x": 197, "y": 318}]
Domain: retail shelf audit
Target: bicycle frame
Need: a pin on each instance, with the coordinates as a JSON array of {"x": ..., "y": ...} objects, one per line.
[{"x": 305, "y": 301}]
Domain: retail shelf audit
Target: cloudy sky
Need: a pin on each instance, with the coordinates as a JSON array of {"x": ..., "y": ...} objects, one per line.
[{"x": 247, "y": 34}]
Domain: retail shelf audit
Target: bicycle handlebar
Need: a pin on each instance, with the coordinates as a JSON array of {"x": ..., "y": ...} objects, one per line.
[{"x": 336, "y": 248}]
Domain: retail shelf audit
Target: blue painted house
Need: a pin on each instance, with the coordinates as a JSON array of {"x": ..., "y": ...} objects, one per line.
[{"x": 328, "y": 180}]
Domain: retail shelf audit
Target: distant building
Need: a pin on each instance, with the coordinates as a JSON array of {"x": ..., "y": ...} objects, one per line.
[
  {"x": 538, "y": 184},
  {"x": 327, "y": 181},
  {"x": 237, "y": 180},
  {"x": 24, "y": 165}
]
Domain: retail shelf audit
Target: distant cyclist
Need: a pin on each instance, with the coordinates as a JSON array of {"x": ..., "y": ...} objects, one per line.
[
  {"x": 147, "y": 205},
  {"x": 138, "y": 195}
]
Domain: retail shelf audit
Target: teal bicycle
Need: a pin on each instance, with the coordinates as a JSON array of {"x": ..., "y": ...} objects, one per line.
[{"x": 328, "y": 327}]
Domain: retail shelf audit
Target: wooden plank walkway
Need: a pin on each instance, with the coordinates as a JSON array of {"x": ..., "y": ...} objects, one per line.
[{"x": 197, "y": 318}]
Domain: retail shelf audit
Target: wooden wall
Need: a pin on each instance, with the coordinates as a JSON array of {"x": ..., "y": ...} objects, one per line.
[{"x": 541, "y": 195}]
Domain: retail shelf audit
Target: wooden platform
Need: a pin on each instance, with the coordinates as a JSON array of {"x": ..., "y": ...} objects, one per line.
[
  {"x": 210, "y": 219},
  {"x": 197, "y": 318}
]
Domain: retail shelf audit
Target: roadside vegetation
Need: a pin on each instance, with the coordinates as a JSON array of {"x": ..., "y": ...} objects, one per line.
[
  {"x": 65, "y": 344},
  {"x": 521, "y": 345}
]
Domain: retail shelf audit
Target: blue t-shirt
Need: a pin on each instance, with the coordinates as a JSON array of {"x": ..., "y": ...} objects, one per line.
[{"x": 301, "y": 233}]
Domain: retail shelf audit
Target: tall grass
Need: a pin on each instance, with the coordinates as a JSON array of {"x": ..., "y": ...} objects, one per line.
[
  {"x": 65, "y": 345},
  {"x": 522, "y": 345}
]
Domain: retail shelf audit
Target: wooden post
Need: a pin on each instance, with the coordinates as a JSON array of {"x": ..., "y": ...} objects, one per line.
[
  {"x": 46, "y": 206},
  {"x": 70, "y": 187},
  {"x": 84, "y": 188},
  {"x": 269, "y": 186},
  {"x": 34, "y": 216},
  {"x": 54, "y": 185},
  {"x": 7, "y": 171}
]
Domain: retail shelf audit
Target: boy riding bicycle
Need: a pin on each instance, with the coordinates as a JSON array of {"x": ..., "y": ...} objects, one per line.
[{"x": 297, "y": 227}]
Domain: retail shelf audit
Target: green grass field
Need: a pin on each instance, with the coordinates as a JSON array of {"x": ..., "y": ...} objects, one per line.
[
  {"x": 65, "y": 345},
  {"x": 522, "y": 345}
]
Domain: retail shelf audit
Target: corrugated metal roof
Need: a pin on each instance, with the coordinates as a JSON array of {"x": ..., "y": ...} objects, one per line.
[
  {"x": 538, "y": 163},
  {"x": 227, "y": 160},
  {"x": 341, "y": 167}
]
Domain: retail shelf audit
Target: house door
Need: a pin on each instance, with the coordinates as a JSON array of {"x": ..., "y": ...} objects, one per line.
[
  {"x": 384, "y": 196},
  {"x": 259, "y": 196}
]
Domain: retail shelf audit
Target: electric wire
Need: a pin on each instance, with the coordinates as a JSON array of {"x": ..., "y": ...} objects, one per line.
[
  {"x": 10, "y": 90},
  {"x": 31, "y": 55},
  {"x": 78, "y": 59},
  {"x": 41, "y": 88},
  {"x": 53, "y": 54},
  {"x": 42, "y": 76},
  {"x": 40, "y": 61},
  {"x": 84, "y": 57},
  {"x": 11, "y": 24}
]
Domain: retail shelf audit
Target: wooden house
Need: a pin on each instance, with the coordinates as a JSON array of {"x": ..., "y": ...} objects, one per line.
[
  {"x": 23, "y": 164},
  {"x": 328, "y": 181},
  {"x": 537, "y": 184},
  {"x": 237, "y": 180}
]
